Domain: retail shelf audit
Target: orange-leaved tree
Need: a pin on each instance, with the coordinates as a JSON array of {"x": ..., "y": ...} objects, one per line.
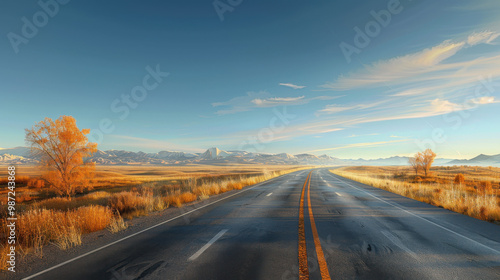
[
  {"x": 63, "y": 150},
  {"x": 428, "y": 157},
  {"x": 416, "y": 162}
]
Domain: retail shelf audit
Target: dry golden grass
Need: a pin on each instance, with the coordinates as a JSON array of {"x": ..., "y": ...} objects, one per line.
[
  {"x": 39, "y": 227},
  {"x": 153, "y": 196},
  {"x": 117, "y": 224},
  {"x": 98, "y": 195},
  {"x": 19, "y": 179},
  {"x": 131, "y": 203},
  {"x": 92, "y": 218},
  {"x": 138, "y": 190},
  {"x": 55, "y": 203},
  {"x": 4, "y": 250},
  {"x": 478, "y": 197},
  {"x": 64, "y": 203},
  {"x": 124, "y": 177}
]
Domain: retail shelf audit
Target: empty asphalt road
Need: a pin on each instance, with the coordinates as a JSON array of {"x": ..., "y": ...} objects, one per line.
[{"x": 347, "y": 230}]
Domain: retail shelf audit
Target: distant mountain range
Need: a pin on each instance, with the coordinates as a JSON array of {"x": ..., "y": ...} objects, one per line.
[
  {"x": 21, "y": 155},
  {"x": 481, "y": 160}
]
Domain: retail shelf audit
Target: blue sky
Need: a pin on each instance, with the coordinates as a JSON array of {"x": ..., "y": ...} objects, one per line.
[{"x": 265, "y": 76}]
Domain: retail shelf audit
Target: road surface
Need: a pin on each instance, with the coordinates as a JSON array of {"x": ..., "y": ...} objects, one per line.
[{"x": 349, "y": 231}]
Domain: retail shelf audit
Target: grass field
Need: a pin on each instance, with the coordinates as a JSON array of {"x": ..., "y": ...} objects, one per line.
[
  {"x": 476, "y": 194},
  {"x": 119, "y": 192},
  {"x": 125, "y": 177}
]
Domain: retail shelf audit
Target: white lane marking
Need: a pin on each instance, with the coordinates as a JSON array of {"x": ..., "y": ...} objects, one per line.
[
  {"x": 398, "y": 243},
  {"x": 269, "y": 194},
  {"x": 417, "y": 216},
  {"x": 338, "y": 194},
  {"x": 144, "y": 230},
  {"x": 205, "y": 247}
]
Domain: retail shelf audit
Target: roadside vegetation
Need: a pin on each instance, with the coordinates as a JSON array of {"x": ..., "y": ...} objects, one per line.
[
  {"x": 66, "y": 196},
  {"x": 61, "y": 221},
  {"x": 469, "y": 190}
]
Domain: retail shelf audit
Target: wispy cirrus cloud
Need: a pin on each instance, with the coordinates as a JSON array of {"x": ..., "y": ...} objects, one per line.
[
  {"x": 484, "y": 100},
  {"x": 431, "y": 82},
  {"x": 149, "y": 144},
  {"x": 397, "y": 70},
  {"x": 239, "y": 103},
  {"x": 334, "y": 123},
  {"x": 359, "y": 145},
  {"x": 277, "y": 101},
  {"x": 335, "y": 108},
  {"x": 483, "y": 37},
  {"x": 262, "y": 99},
  {"x": 362, "y": 135},
  {"x": 423, "y": 66},
  {"x": 419, "y": 85},
  {"x": 291, "y": 86}
]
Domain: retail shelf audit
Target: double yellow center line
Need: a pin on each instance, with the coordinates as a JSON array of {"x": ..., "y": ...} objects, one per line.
[{"x": 303, "y": 266}]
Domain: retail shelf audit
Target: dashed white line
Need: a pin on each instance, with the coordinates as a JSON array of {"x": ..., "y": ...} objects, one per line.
[
  {"x": 269, "y": 194},
  {"x": 419, "y": 217},
  {"x": 338, "y": 194},
  {"x": 205, "y": 247},
  {"x": 144, "y": 230}
]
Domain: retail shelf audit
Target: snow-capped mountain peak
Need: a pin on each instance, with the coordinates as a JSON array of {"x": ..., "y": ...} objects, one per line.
[{"x": 215, "y": 153}]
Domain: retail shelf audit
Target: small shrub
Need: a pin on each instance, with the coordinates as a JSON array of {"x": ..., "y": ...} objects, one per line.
[
  {"x": 97, "y": 195},
  {"x": 4, "y": 250},
  {"x": 130, "y": 202},
  {"x": 215, "y": 189},
  {"x": 459, "y": 179},
  {"x": 159, "y": 204},
  {"x": 483, "y": 213},
  {"x": 236, "y": 185},
  {"x": 56, "y": 203},
  {"x": 166, "y": 201},
  {"x": 117, "y": 224},
  {"x": 399, "y": 174},
  {"x": 24, "y": 196},
  {"x": 484, "y": 187},
  {"x": 188, "y": 197},
  {"x": 175, "y": 200},
  {"x": 68, "y": 236},
  {"x": 92, "y": 218},
  {"x": 36, "y": 183}
]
